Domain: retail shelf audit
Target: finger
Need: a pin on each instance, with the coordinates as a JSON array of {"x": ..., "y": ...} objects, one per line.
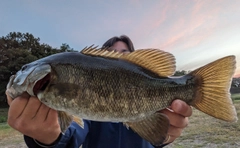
[
  {"x": 174, "y": 131},
  {"x": 31, "y": 108},
  {"x": 172, "y": 134},
  {"x": 52, "y": 119},
  {"x": 176, "y": 119},
  {"x": 52, "y": 116},
  {"x": 181, "y": 108},
  {"x": 17, "y": 106},
  {"x": 42, "y": 113},
  {"x": 9, "y": 99}
]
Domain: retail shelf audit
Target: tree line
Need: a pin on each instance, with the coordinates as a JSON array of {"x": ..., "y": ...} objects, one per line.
[{"x": 17, "y": 49}]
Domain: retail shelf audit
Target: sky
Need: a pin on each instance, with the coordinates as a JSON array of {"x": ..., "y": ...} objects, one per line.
[{"x": 196, "y": 32}]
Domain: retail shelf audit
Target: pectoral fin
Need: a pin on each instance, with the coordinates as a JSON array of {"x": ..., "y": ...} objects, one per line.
[
  {"x": 153, "y": 128},
  {"x": 65, "y": 120}
]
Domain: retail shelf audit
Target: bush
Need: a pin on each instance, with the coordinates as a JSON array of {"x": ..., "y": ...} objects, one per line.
[
  {"x": 235, "y": 96},
  {"x": 3, "y": 119}
]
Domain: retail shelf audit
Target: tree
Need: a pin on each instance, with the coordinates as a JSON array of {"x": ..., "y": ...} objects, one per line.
[
  {"x": 180, "y": 73},
  {"x": 65, "y": 48},
  {"x": 17, "y": 49},
  {"x": 19, "y": 40}
]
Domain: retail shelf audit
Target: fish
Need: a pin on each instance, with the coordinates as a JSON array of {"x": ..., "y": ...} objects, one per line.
[{"x": 107, "y": 86}]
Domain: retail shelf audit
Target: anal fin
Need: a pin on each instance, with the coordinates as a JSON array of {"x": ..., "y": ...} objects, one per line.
[
  {"x": 79, "y": 121},
  {"x": 153, "y": 128}
]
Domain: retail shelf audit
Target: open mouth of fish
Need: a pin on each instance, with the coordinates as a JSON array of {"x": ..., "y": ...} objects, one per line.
[
  {"x": 32, "y": 80},
  {"x": 41, "y": 84}
]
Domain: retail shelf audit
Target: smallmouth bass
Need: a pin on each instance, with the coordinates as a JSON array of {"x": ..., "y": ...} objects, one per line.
[{"x": 104, "y": 85}]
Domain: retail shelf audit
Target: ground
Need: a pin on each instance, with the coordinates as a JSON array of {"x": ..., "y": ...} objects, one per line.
[{"x": 202, "y": 131}]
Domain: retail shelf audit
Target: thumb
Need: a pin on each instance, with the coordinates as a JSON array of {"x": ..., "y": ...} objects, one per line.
[{"x": 9, "y": 99}]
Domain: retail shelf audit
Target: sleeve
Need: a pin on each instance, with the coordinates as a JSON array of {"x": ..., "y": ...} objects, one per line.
[
  {"x": 161, "y": 146},
  {"x": 73, "y": 137}
]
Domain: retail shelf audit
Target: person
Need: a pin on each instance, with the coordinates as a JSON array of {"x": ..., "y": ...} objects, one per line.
[{"x": 40, "y": 125}]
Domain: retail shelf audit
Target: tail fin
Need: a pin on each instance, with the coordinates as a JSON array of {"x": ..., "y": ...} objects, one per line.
[{"x": 215, "y": 97}]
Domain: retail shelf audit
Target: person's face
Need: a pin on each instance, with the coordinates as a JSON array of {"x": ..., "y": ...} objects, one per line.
[{"x": 120, "y": 46}]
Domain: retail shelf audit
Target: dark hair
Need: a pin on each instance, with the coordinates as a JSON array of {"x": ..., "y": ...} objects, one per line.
[{"x": 122, "y": 38}]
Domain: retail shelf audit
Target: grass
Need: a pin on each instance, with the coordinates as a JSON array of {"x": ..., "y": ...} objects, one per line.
[
  {"x": 236, "y": 96},
  {"x": 8, "y": 136},
  {"x": 206, "y": 131},
  {"x": 3, "y": 115},
  {"x": 202, "y": 131}
]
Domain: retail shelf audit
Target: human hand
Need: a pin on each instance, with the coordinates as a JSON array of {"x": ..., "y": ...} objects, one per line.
[
  {"x": 178, "y": 114},
  {"x": 32, "y": 118}
]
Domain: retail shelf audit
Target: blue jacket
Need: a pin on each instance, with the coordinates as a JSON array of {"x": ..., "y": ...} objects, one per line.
[{"x": 97, "y": 135}]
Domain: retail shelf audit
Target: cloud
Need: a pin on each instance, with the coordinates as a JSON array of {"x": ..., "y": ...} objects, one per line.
[
  {"x": 237, "y": 75},
  {"x": 144, "y": 26},
  {"x": 191, "y": 29}
]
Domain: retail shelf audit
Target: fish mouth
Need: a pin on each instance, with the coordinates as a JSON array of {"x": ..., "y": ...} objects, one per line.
[{"x": 41, "y": 84}]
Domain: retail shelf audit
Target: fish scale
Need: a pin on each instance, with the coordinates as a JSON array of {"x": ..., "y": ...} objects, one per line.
[{"x": 101, "y": 91}]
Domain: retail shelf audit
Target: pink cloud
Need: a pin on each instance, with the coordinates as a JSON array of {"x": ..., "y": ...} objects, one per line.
[
  {"x": 152, "y": 20},
  {"x": 237, "y": 72},
  {"x": 192, "y": 28},
  {"x": 237, "y": 75}
]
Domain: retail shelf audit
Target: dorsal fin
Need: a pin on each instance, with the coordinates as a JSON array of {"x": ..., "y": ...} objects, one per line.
[
  {"x": 93, "y": 51},
  {"x": 160, "y": 62},
  {"x": 155, "y": 60},
  {"x": 88, "y": 48}
]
